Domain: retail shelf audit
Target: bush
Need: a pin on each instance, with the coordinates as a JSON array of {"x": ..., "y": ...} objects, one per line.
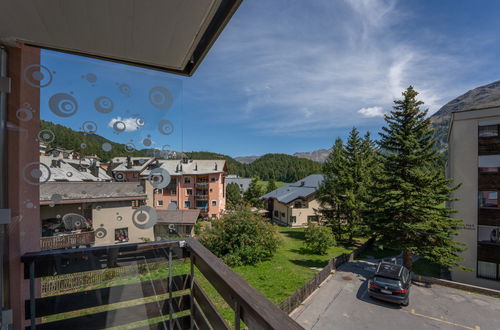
[
  {"x": 241, "y": 237},
  {"x": 200, "y": 227},
  {"x": 318, "y": 238}
]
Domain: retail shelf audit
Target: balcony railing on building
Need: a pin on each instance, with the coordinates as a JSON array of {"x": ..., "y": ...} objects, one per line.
[
  {"x": 67, "y": 241},
  {"x": 172, "y": 285},
  {"x": 201, "y": 184},
  {"x": 201, "y": 197}
]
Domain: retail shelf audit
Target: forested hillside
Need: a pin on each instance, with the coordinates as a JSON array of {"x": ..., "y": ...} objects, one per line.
[{"x": 280, "y": 167}]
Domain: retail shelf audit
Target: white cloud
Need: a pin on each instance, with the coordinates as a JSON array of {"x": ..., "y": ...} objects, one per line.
[
  {"x": 372, "y": 112},
  {"x": 131, "y": 124}
]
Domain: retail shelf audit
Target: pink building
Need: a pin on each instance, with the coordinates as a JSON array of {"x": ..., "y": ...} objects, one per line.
[{"x": 194, "y": 184}]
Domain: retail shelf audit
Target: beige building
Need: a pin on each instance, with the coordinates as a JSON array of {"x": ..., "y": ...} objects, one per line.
[
  {"x": 294, "y": 204},
  {"x": 94, "y": 213},
  {"x": 474, "y": 161}
]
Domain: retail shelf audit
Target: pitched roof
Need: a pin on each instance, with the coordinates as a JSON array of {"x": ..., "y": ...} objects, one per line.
[
  {"x": 178, "y": 216},
  {"x": 193, "y": 167},
  {"x": 67, "y": 170},
  {"x": 90, "y": 191},
  {"x": 300, "y": 189},
  {"x": 138, "y": 164}
]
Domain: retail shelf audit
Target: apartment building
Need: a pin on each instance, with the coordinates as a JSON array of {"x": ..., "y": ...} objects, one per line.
[
  {"x": 474, "y": 161},
  {"x": 295, "y": 204},
  {"x": 194, "y": 184},
  {"x": 129, "y": 169}
]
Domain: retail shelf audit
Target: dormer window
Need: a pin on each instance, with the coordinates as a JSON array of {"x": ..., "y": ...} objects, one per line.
[{"x": 297, "y": 204}]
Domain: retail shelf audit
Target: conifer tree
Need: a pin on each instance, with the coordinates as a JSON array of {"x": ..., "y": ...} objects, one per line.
[
  {"x": 331, "y": 191},
  {"x": 408, "y": 209},
  {"x": 233, "y": 194},
  {"x": 271, "y": 186},
  {"x": 253, "y": 193}
]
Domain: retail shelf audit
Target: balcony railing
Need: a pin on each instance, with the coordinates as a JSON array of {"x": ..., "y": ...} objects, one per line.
[
  {"x": 67, "y": 241},
  {"x": 201, "y": 184},
  {"x": 201, "y": 197},
  {"x": 174, "y": 295}
]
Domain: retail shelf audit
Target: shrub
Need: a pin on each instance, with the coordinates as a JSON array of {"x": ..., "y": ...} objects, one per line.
[
  {"x": 318, "y": 238},
  {"x": 200, "y": 227},
  {"x": 241, "y": 237}
]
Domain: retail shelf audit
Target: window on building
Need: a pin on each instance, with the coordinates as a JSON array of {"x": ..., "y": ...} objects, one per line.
[
  {"x": 488, "y": 170},
  {"x": 276, "y": 214},
  {"x": 159, "y": 191},
  {"x": 159, "y": 202},
  {"x": 313, "y": 218},
  {"x": 213, "y": 179},
  {"x": 283, "y": 214},
  {"x": 187, "y": 204},
  {"x": 173, "y": 192},
  {"x": 488, "y": 131},
  {"x": 214, "y": 215},
  {"x": 135, "y": 175},
  {"x": 211, "y": 190},
  {"x": 121, "y": 235},
  {"x": 297, "y": 204},
  {"x": 487, "y": 270},
  {"x": 189, "y": 192},
  {"x": 187, "y": 180},
  {"x": 214, "y": 203},
  {"x": 488, "y": 199},
  {"x": 293, "y": 219}
]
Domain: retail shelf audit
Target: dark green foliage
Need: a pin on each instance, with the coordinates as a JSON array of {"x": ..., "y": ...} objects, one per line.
[
  {"x": 233, "y": 193},
  {"x": 253, "y": 193},
  {"x": 406, "y": 210},
  {"x": 347, "y": 172},
  {"x": 271, "y": 186},
  {"x": 318, "y": 238},
  {"x": 69, "y": 139},
  {"x": 241, "y": 237},
  {"x": 281, "y": 167}
]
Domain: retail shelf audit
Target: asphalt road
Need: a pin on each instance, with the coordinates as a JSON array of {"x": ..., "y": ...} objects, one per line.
[{"x": 343, "y": 303}]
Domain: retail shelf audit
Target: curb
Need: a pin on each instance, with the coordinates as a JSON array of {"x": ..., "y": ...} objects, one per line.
[{"x": 456, "y": 285}]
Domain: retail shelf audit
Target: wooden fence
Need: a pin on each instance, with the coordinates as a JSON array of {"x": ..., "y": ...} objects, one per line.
[
  {"x": 73, "y": 282},
  {"x": 66, "y": 241},
  {"x": 293, "y": 301}
]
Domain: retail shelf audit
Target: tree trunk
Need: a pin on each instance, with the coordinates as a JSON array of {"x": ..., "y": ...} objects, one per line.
[{"x": 407, "y": 259}]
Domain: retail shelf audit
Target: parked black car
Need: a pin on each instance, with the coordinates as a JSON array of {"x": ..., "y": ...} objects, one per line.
[{"x": 390, "y": 282}]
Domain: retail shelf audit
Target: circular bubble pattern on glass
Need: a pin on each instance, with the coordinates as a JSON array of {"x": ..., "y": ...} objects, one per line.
[
  {"x": 25, "y": 113},
  {"x": 103, "y": 104},
  {"x": 160, "y": 98},
  {"x": 159, "y": 178},
  {"x": 119, "y": 176},
  {"x": 100, "y": 233},
  {"x": 63, "y": 104},
  {"x": 69, "y": 174},
  {"x": 124, "y": 89},
  {"x": 90, "y": 77},
  {"x": 172, "y": 206},
  {"x": 119, "y": 218},
  {"x": 89, "y": 127},
  {"x": 83, "y": 145},
  {"x": 56, "y": 198},
  {"x": 37, "y": 75},
  {"x": 29, "y": 204},
  {"x": 86, "y": 162},
  {"x": 129, "y": 147},
  {"x": 106, "y": 146},
  {"x": 119, "y": 126},
  {"x": 147, "y": 142},
  {"x": 140, "y": 122},
  {"x": 165, "y": 127},
  {"x": 46, "y": 136},
  {"x": 144, "y": 217},
  {"x": 36, "y": 173}
]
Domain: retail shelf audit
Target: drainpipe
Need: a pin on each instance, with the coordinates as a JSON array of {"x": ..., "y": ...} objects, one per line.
[{"x": 5, "y": 315}]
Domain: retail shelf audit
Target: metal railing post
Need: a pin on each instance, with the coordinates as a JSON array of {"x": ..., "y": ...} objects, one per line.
[
  {"x": 32, "y": 296},
  {"x": 191, "y": 284},
  {"x": 237, "y": 318},
  {"x": 170, "y": 307}
]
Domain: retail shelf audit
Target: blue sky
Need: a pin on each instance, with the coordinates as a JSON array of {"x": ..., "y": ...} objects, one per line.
[{"x": 289, "y": 76}]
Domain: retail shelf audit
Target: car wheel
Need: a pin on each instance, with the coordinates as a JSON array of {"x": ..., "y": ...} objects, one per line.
[{"x": 406, "y": 303}]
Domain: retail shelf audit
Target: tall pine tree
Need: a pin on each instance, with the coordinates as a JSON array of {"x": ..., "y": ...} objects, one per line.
[{"x": 408, "y": 209}]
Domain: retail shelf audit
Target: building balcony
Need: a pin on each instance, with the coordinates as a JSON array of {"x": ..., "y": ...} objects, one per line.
[
  {"x": 201, "y": 184},
  {"x": 488, "y": 216},
  {"x": 489, "y": 145},
  {"x": 201, "y": 197},
  {"x": 178, "y": 299},
  {"x": 67, "y": 241}
]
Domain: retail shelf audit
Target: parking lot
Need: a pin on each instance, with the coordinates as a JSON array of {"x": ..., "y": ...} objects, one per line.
[{"x": 343, "y": 303}]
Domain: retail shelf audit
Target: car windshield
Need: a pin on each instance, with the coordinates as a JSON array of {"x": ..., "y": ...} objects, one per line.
[{"x": 386, "y": 281}]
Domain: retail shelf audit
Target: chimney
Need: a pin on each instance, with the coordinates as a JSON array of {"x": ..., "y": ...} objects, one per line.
[
  {"x": 59, "y": 163},
  {"x": 302, "y": 183},
  {"x": 216, "y": 166},
  {"x": 177, "y": 168},
  {"x": 129, "y": 162},
  {"x": 196, "y": 166},
  {"x": 53, "y": 163},
  {"x": 94, "y": 169}
]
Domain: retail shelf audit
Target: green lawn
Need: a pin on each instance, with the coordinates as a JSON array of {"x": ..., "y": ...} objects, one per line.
[
  {"x": 290, "y": 268},
  {"x": 263, "y": 184}
]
